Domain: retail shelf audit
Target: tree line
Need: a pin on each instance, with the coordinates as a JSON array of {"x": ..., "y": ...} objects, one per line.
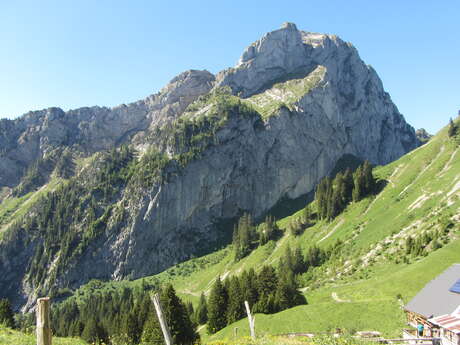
[
  {"x": 124, "y": 317},
  {"x": 269, "y": 291},
  {"x": 246, "y": 236},
  {"x": 333, "y": 195}
]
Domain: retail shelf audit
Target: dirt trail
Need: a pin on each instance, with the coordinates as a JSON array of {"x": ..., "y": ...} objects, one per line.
[
  {"x": 448, "y": 164},
  {"x": 333, "y": 230},
  {"x": 336, "y": 298},
  {"x": 189, "y": 292},
  {"x": 441, "y": 150}
]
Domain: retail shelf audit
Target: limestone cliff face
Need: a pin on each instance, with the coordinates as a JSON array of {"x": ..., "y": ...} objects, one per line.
[
  {"x": 322, "y": 100},
  {"x": 89, "y": 130}
]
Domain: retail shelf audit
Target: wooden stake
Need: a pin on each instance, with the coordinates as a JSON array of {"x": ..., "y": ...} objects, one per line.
[
  {"x": 251, "y": 320},
  {"x": 43, "y": 321},
  {"x": 162, "y": 319}
]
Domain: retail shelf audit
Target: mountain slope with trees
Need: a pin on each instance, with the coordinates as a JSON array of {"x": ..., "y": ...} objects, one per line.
[{"x": 351, "y": 271}]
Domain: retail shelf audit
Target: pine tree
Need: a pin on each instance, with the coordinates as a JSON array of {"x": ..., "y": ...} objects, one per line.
[
  {"x": 307, "y": 214},
  {"x": 266, "y": 281},
  {"x": 452, "y": 128},
  {"x": 93, "y": 332},
  {"x": 369, "y": 180},
  {"x": 243, "y": 235},
  {"x": 6, "y": 313},
  {"x": 189, "y": 308},
  {"x": 217, "y": 307},
  {"x": 299, "y": 265},
  {"x": 152, "y": 334},
  {"x": 287, "y": 261},
  {"x": 268, "y": 230},
  {"x": 321, "y": 199},
  {"x": 132, "y": 329},
  {"x": 249, "y": 286},
  {"x": 295, "y": 227},
  {"x": 202, "y": 311},
  {"x": 348, "y": 186},
  {"x": 265, "y": 304},
  {"x": 283, "y": 294},
  {"x": 144, "y": 309},
  {"x": 235, "y": 309},
  {"x": 179, "y": 323},
  {"x": 315, "y": 257},
  {"x": 358, "y": 186}
]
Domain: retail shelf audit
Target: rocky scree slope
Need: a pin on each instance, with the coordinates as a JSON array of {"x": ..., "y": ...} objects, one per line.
[{"x": 206, "y": 149}]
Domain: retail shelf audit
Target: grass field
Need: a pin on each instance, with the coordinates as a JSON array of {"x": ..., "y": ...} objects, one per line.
[{"x": 11, "y": 337}]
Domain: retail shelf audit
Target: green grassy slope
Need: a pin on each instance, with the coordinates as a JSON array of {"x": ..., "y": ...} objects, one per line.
[
  {"x": 423, "y": 193},
  {"x": 14, "y": 208}
]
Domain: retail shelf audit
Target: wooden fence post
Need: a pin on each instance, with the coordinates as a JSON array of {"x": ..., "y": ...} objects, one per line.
[
  {"x": 162, "y": 319},
  {"x": 251, "y": 320},
  {"x": 43, "y": 321}
]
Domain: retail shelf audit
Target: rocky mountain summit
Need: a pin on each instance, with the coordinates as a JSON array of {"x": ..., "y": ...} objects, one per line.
[
  {"x": 88, "y": 130},
  {"x": 191, "y": 158}
]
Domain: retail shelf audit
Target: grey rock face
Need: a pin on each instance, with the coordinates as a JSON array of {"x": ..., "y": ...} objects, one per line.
[
  {"x": 253, "y": 163},
  {"x": 89, "y": 130}
]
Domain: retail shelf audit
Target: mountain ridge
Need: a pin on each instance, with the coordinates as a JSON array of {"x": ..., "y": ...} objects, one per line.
[{"x": 205, "y": 154}]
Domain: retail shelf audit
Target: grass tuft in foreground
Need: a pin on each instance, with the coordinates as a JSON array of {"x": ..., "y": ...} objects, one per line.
[
  {"x": 284, "y": 340},
  {"x": 9, "y": 337}
]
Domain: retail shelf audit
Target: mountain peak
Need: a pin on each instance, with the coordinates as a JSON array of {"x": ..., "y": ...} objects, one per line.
[
  {"x": 289, "y": 26},
  {"x": 285, "y": 53}
]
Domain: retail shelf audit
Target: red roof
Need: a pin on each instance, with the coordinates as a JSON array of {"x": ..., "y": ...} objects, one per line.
[{"x": 449, "y": 322}]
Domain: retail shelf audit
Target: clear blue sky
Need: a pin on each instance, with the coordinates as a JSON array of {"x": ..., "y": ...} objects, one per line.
[{"x": 98, "y": 52}]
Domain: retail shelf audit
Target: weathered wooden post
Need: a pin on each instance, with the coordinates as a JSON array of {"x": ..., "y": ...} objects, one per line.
[
  {"x": 43, "y": 321},
  {"x": 251, "y": 320},
  {"x": 235, "y": 332},
  {"x": 162, "y": 319}
]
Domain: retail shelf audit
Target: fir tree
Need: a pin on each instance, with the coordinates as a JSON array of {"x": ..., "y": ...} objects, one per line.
[
  {"x": 369, "y": 180},
  {"x": 266, "y": 281},
  {"x": 249, "y": 286},
  {"x": 298, "y": 265},
  {"x": 268, "y": 230},
  {"x": 152, "y": 334},
  {"x": 307, "y": 214},
  {"x": 358, "y": 186},
  {"x": 452, "y": 128},
  {"x": 235, "y": 309},
  {"x": 93, "y": 332},
  {"x": 217, "y": 307},
  {"x": 179, "y": 323},
  {"x": 321, "y": 197},
  {"x": 190, "y": 309},
  {"x": 315, "y": 257},
  {"x": 295, "y": 227},
  {"x": 243, "y": 234},
  {"x": 202, "y": 311},
  {"x": 287, "y": 295},
  {"x": 131, "y": 328},
  {"x": 6, "y": 313},
  {"x": 348, "y": 186}
]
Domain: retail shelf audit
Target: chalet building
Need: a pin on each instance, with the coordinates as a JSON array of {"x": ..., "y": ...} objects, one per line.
[{"x": 437, "y": 308}]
